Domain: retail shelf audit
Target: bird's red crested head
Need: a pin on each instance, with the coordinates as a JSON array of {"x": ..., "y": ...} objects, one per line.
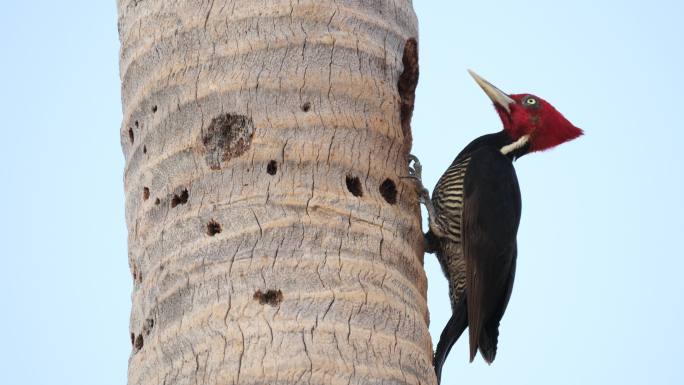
[{"x": 531, "y": 116}]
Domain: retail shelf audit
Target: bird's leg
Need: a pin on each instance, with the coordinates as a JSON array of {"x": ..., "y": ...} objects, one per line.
[{"x": 416, "y": 173}]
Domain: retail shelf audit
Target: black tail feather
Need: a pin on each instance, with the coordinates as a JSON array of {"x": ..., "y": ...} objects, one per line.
[
  {"x": 488, "y": 341},
  {"x": 452, "y": 331}
]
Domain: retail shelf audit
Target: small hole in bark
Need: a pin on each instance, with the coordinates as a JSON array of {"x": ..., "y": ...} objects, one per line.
[
  {"x": 136, "y": 124},
  {"x": 157, "y": 201},
  {"x": 270, "y": 297},
  {"x": 388, "y": 190},
  {"x": 146, "y": 193},
  {"x": 354, "y": 186},
  {"x": 131, "y": 136},
  {"x": 272, "y": 167},
  {"x": 180, "y": 199},
  {"x": 154, "y": 109},
  {"x": 213, "y": 228},
  {"x": 137, "y": 278},
  {"x": 144, "y": 149},
  {"x": 147, "y": 327},
  {"x": 132, "y": 339},
  {"x": 228, "y": 136},
  {"x": 138, "y": 342},
  {"x": 306, "y": 107}
]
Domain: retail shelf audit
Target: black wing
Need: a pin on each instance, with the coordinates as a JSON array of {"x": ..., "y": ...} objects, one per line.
[{"x": 491, "y": 215}]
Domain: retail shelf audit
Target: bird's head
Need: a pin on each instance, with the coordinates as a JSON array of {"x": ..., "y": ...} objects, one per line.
[{"x": 529, "y": 119}]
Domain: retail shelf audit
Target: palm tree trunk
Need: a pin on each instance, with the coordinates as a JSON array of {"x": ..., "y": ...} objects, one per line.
[{"x": 271, "y": 237}]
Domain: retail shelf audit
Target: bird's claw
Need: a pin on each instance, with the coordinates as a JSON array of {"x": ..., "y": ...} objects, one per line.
[{"x": 415, "y": 171}]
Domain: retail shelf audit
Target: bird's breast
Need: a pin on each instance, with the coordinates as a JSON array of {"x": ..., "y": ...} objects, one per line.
[{"x": 447, "y": 198}]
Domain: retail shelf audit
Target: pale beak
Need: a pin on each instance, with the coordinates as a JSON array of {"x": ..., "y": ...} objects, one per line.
[{"x": 498, "y": 97}]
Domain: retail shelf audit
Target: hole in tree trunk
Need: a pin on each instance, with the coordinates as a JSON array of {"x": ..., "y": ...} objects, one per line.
[
  {"x": 146, "y": 193},
  {"x": 354, "y": 185},
  {"x": 213, "y": 228},
  {"x": 138, "y": 342},
  {"x": 270, "y": 297},
  {"x": 388, "y": 190},
  {"x": 147, "y": 327},
  {"x": 306, "y": 107},
  {"x": 180, "y": 199},
  {"x": 228, "y": 136},
  {"x": 131, "y": 136},
  {"x": 272, "y": 167}
]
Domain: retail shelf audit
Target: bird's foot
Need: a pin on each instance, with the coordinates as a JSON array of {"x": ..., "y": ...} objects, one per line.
[{"x": 415, "y": 172}]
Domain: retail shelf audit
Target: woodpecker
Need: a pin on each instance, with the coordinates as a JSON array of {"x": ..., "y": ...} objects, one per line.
[{"x": 474, "y": 215}]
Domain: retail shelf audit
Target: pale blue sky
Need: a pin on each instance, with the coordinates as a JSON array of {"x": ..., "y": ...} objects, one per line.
[{"x": 599, "y": 291}]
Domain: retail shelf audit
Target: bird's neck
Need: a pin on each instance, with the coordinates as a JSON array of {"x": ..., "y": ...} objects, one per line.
[{"x": 512, "y": 149}]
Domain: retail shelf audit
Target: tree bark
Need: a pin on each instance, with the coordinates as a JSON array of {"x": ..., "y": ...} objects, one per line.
[{"x": 272, "y": 239}]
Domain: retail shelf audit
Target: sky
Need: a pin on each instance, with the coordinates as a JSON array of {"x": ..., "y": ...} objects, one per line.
[{"x": 599, "y": 292}]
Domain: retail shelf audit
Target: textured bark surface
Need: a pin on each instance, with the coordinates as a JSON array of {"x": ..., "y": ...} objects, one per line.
[{"x": 271, "y": 237}]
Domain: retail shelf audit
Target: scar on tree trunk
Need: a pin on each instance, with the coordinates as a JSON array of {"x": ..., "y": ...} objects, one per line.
[{"x": 408, "y": 81}]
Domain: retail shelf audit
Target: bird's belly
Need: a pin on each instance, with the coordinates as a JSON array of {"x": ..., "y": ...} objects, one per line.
[{"x": 450, "y": 257}]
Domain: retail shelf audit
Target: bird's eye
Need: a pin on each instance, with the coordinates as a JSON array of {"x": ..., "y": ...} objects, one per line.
[{"x": 530, "y": 101}]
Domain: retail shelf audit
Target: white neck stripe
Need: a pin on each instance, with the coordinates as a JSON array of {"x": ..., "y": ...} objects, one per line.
[{"x": 515, "y": 145}]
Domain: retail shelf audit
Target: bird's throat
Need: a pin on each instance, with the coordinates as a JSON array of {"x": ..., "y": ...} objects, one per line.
[{"x": 511, "y": 150}]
